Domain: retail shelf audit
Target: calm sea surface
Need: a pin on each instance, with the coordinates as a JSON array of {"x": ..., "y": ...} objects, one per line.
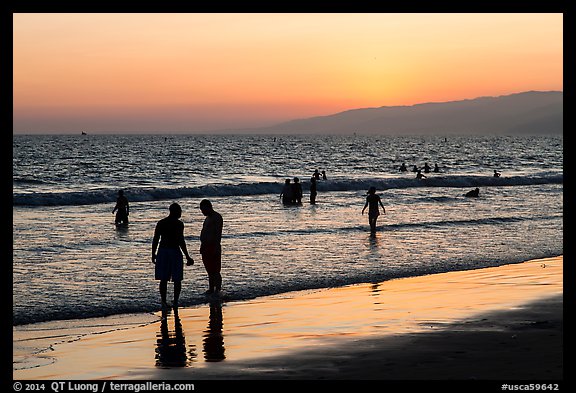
[{"x": 69, "y": 260}]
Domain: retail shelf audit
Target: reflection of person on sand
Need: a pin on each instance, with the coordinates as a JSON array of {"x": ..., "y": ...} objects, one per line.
[
  {"x": 121, "y": 209},
  {"x": 372, "y": 201},
  {"x": 210, "y": 246},
  {"x": 213, "y": 338},
  {"x": 169, "y": 264},
  {"x": 171, "y": 346},
  {"x": 474, "y": 193}
]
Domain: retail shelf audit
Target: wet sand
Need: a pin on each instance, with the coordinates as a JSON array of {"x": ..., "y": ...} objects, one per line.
[{"x": 502, "y": 323}]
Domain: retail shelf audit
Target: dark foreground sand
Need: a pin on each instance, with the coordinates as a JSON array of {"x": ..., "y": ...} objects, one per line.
[
  {"x": 503, "y": 324},
  {"x": 523, "y": 344}
]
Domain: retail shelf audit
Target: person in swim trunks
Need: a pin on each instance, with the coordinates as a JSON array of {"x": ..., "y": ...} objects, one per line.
[
  {"x": 210, "y": 247},
  {"x": 372, "y": 201},
  {"x": 169, "y": 264}
]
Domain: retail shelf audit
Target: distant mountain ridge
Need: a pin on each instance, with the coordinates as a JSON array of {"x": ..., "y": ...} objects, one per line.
[{"x": 526, "y": 113}]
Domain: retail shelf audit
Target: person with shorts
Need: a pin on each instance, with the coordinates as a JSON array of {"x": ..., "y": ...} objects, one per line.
[
  {"x": 210, "y": 247},
  {"x": 169, "y": 263}
]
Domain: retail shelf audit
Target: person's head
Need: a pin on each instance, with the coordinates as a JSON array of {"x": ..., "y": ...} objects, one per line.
[
  {"x": 287, "y": 181},
  {"x": 296, "y": 180},
  {"x": 372, "y": 190},
  {"x": 206, "y": 206},
  {"x": 175, "y": 210}
]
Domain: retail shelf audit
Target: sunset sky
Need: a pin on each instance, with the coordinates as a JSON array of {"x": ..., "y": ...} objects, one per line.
[{"x": 143, "y": 73}]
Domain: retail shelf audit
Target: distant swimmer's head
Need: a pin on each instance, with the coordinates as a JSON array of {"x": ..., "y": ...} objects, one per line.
[
  {"x": 371, "y": 190},
  {"x": 175, "y": 210}
]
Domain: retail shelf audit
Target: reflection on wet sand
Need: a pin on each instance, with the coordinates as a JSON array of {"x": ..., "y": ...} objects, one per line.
[
  {"x": 171, "y": 344},
  {"x": 171, "y": 350},
  {"x": 213, "y": 337}
]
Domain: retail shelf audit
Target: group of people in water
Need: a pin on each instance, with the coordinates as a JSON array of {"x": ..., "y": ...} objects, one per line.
[
  {"x": 426, "y": 168},
  {"x": 292, "y": 192},
  {"x": 168, "y": 243}
]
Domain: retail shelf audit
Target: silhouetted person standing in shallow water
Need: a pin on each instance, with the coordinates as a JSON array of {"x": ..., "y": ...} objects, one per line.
[
  {"x": 313, "y": 191},
  {"x": 210, "y": 246},
  {"x": 122, "y": 209},
  {"x": 372, "y": 201},
  {"x": 297, "y": 192},
  {"x": 287, "y": 193},
  {"x": 316, "y": 174},
  {"x": 169, "y": 264}
]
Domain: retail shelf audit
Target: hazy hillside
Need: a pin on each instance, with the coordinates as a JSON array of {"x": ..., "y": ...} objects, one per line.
[{"x": 523, "y": 113}]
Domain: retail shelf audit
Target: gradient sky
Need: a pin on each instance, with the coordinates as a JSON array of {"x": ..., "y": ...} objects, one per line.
[{"x": 176, "y": 73}]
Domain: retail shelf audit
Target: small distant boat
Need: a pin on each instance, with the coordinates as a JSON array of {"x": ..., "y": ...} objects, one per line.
[{"x": 83, "y": 133}]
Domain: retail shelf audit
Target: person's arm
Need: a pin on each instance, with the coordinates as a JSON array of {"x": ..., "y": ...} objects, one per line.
[
  {"x": 155, "y": 243},
  {"x": 365, "y": 206},
  {"x": 127, "y": 207},
  {"x": 383, "y": 208},
  {"x": 189, "y": 260}
]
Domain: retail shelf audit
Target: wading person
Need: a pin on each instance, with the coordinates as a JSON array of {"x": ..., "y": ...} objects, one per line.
[
  {"x": 122, "y": 209},
  {"x": 372, "y": 201},
  {"x": 169, "y": 263},
  {"x": 210, "y": 247}
]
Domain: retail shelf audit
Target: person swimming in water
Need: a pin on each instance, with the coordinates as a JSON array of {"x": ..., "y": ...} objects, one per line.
[
  {"x": 419, "y": 175},
  {"x": 474, "y": 193}
]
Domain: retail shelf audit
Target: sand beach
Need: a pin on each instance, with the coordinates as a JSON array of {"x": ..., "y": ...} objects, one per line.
[{"x": 499, "y": 323}]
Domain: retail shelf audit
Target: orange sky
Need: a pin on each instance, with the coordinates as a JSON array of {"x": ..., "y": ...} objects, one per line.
[{"x": 199, "y": 72}]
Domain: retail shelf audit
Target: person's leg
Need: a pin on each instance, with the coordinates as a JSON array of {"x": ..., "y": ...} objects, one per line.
[
  {"x": 212, "y": 263},
  {"x": 217, "y": 281},
  {"x": 163, "y": 291},
  {"x": 206, "y": 261},
  {"x": 177, "y": 290}
]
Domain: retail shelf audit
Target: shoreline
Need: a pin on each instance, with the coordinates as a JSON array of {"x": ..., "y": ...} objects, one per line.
[{"x": 491, "y": 323}]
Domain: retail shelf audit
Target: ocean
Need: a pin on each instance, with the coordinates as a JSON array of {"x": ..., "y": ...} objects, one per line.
[{"x": 71, "y": 262}]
